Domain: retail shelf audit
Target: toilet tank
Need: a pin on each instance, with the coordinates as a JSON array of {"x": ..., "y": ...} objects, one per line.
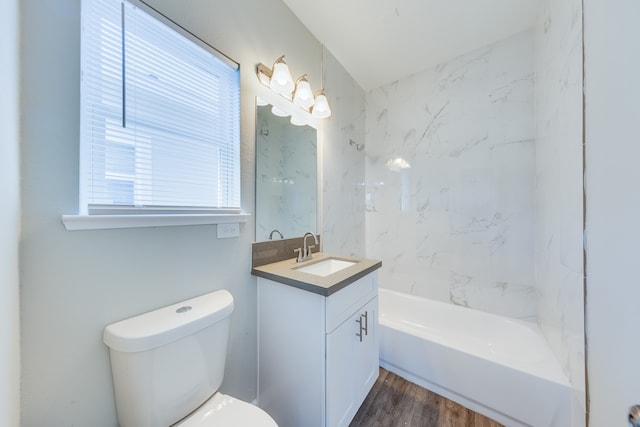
[{"x": 167, "y": 362}]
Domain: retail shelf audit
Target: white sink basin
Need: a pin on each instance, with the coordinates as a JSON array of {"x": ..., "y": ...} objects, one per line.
[{"x": 325, "y": 267}]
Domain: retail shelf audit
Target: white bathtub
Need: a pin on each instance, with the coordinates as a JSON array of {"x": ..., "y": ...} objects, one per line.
[{"x": 496, "y": 366}]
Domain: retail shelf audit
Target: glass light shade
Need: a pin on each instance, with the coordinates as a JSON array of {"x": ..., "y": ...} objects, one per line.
[
  {"x": 279, "y": 112},
  {"x": 321, "y": 108},
  {"x": 303, "y": 97},
  {"x": 297, "y": 121},
  {"x": 281, "y": 80}
]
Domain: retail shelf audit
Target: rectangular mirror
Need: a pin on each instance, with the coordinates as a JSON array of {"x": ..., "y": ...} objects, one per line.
[{"x": 286, "y": 176}]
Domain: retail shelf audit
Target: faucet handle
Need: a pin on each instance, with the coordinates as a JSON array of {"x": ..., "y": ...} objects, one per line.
[
  {"x": 300, "y": 256},
  {"x": 308, "y": 254}
]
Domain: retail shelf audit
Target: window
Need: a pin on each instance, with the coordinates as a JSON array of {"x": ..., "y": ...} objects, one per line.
[{"x": 160, "y": 116}]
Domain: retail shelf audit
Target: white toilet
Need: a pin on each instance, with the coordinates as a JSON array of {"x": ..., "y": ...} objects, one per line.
[{"x": 168, "y": 364}]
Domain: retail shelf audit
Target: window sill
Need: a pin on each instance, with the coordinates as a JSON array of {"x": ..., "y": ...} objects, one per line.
[{"x": 105, "y": 222}]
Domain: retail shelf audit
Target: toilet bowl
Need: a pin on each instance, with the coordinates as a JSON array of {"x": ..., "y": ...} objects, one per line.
[
  {"x": 168, "y": 364},
  {"x": 225, "y": 411}
]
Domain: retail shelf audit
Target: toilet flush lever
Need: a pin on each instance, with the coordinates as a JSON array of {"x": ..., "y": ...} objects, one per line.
[{"x": 634, "y": 416}]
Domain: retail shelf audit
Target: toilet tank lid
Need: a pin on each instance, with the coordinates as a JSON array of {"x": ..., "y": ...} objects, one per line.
[{"x": 164, "y": 325}]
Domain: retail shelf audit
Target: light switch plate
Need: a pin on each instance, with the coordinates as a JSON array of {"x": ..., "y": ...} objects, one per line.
[{"x": 225, "y": 231}]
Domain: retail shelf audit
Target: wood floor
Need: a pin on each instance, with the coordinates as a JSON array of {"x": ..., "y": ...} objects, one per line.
[{"x": 395, "y": 402}]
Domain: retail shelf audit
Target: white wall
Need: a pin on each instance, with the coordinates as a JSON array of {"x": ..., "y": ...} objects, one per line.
[
  {"x": 9, "y": 218},
  {"x": 559, "y": 211},
  {"x": 612, "y": 110},
  {"x": 457, "y": 226},
  {"x": 75, "y": 283}
]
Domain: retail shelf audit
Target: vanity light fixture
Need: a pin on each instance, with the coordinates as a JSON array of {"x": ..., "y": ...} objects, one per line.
[
  {"x": 279, "y": 112},
  {"x": 264, "y": 74},
  {"x": 296, "y": 121},
  {"x": 281, "y": 80},
  {"x": 278, "y": 78},
  {"x": 302, "y": 95},
  {"x": 321, "y": 108}
]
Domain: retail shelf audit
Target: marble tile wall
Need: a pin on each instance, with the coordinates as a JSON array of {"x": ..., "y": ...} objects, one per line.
[
  {"x": 559, "y": 186},
  {"x": 343, "y": 167},
  {"x": 450, "y": 170}
]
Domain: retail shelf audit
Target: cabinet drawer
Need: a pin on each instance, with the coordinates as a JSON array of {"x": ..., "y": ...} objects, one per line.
[{"x": 349, "y": 299}]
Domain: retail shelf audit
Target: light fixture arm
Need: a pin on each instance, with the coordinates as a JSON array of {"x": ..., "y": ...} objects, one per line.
[{"x": 280, "y": 59}]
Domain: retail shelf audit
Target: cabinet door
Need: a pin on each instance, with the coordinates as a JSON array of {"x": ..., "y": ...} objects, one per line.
[
  {"x": 367, "y": 363},
  {"x": 352, "y": 364}
]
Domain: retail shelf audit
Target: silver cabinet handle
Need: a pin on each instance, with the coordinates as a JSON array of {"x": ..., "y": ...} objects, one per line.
[
  {"x": 365, "y": 327},
  {"x": 366, "y": 322}
]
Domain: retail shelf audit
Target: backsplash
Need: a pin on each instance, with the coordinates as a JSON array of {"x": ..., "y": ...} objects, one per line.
[
  {"x": 450, "y": 172},
  {"x": 269, "y": 251}
]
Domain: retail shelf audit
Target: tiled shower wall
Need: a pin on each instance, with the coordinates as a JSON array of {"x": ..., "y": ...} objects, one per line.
[
  {"x": 343, "y": 167},
  {"x": 559, "y": 188},
  {"x": 450, "y": 171}
]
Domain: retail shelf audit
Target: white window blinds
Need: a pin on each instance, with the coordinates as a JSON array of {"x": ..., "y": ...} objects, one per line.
[{"x": 160, "y": 115}]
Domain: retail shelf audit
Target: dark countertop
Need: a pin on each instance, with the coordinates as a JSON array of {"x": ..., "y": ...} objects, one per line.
[{"x": 285, "y": 272}]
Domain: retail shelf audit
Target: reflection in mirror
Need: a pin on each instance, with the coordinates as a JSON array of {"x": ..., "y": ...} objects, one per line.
[{"x": 286, "y": 171}]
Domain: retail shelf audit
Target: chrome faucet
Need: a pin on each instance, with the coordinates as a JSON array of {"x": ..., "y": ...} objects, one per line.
[
  {"x": 307, "y": 249},
  {"x": 304, "y": 253}
]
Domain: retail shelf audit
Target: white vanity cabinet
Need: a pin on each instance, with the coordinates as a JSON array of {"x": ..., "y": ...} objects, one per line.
[{"x": 317, "y": 355}]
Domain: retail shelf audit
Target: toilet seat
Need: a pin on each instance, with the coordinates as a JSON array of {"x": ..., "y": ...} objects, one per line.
[{"x": 225, "y": 411}]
